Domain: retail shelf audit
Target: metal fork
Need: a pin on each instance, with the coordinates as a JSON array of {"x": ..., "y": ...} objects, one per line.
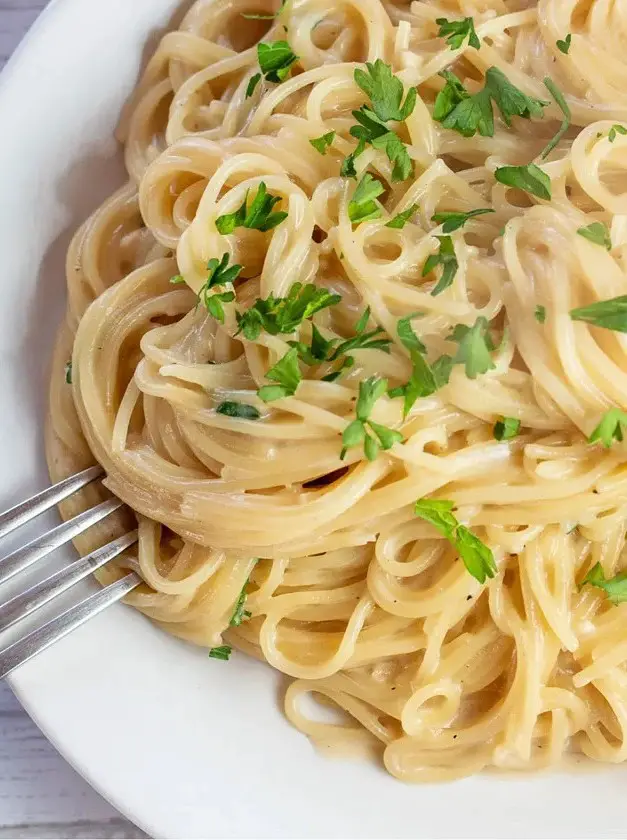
[{"x": 26, "y": 603}]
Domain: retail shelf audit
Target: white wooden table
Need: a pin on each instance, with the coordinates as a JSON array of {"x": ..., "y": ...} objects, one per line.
[{"x": 40, "y": 794}]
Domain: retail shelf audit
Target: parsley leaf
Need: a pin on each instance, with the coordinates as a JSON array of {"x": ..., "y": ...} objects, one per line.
[
  {"x": 275, "y": 60},
  {"x": 563, "y": 106},
  {"x": 347, "y": 169},
  {"x": 540, "y": 314},
  {"x": 529, "y": 178},
  {"x": 357, "y": 431},
  {"x": 283, "y": 315},
  {"x": 252, "y": 84},
  {"x": 597, "y": 233},
  {"x": 68, "y": 372},
  {"x": 239, "y": 613},
  {"x": 385, "y": 92},
  {"x": 223, "y": 652},
  {"x": 397, "y": 154},
  {"x": 423, "y": 381},
  {"x": 610, "y": 314},
  {"x": 475, "y": 345},
  {"x": 321, "y": 144},
  {"x": 258, "y": 216},
  {"x": 506, "y": 428},
  {"x": 453, "y": 221},
  {"x": 363, "y": 340},
  {"x": 447, "y": 259},
  {"x": 564, "y": 46},
  {"x": 363, "y": 206},
  {"x": 476, "y": 555},
  {"x": 610, "y": 428},
  {"x": 442, "y": 368},
  {"x": 219, "y": 274},
  {"x": 400, "y": 220},
  {"x": 287, "y": 373},
  {"x": 468, "y": 114},
  {"x": 614, "y": 130},
  {"x": 238, "y": 409},
  {"x": 457, "y": 32},
  {"x": 177, "y": 279},
  {"x": 615, "y": 588}
]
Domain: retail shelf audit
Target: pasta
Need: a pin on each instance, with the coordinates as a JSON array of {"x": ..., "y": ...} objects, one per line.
[{"x": 370, "y": 254}]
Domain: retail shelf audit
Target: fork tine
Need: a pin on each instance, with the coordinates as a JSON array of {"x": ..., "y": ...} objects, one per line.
[
  {"x": 23, "y": 649},
  {"x": 41, "y": 593},
  {"x": 41, "y": 546},
  {"x": 25, "y": 511}
]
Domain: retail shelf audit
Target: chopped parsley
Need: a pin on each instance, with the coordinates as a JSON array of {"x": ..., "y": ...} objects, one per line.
[
  {"x": 610, "y": 314},
  {"x": 446, "y": 258},
  {"x": 425, "y": 379},
  {"x": 451, "y": 221},
  {"x": 277, "y": 315},
  {"x": 476, "y": 555},
  {"x": 287, "y": 373},
  {"x": 400, "y": 220},
  {"x": 564, "y": 46},
  {"x": 469, "y": 113},
  {"x": 540, "y": 313},
  {"x": 614, "y": 130},
  {"x": 321, "y": 144},
  {"x": 223, "y": 652},
  {"x": 177, "y": 279},
  {"x": 506, "y": 428},
  {"x": 610, "y": 428},
  {"x": 239, "y": 613},
  {"x": 252, "y": 84},
  {"x": 475, "y": 346},
  {"x": 456, "y": 32},
  {"x": 358, "y": 431},
  {"x": 276, "y": 60},
  {"x": 598, "y": 234},
  {"x": 363, "y": 205},
  {"x": 529, "y": 178},
  {"x": 386, "y": 97},
  {"x": 258, "y": 216},
  {"x": 615, "y": 588},
  {"x": 68, "y": 372},
  {"x": 563, "y": 106},
  {"x": 219, "y": 273},
  {"x": 238, "y": 409}
]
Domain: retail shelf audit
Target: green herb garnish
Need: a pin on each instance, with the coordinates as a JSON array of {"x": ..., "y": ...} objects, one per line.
[
  {"x": 363, "y": 205},
  {"x": 258, "y": 216},
  {"x": 529, "y": 178},
  {"x": 385, "y": 92},
  {"x": 456, "y": 32},
  {"x": 68, "y": 372},
  {"x": 540, "y": 314},
  {"x": 357, "y": 432},
  {"x": 447, "y": 259},
  {"x": 177, "y": 279},
  {"x": 506, "y": 428},
  {"x": 452, "y": 221},
  {"x": 610, "y": 314},
  {"x": 598, "y": 234},
  {"x": 563, "y": 106},
  {"x": 400, "y": 220},
  {"x": 564, "y": 46},
  {"x": 275, "y": 60},
  {"x": 321, "y": 144},
  {"x": 475, "y": 345},
  {"x": 252, "y": 84},
  {"x": 238, "y": 409},
  {"x": 614, "y": 130},
  {"x": 278, "y": 315},
  {"x": 222, "y": 652},
  {"x": 476, "y": 555},
  {"x": 219, "y": 273},
  {"x": 287, "y": 373},
  {"x": 615, "y": 588},
  {"x": 610, "y": 428},
  {"x": 468, "y": 114}
]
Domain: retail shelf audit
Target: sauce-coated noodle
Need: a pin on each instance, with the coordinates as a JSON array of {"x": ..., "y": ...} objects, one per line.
[{"x": 365, "y": 605}]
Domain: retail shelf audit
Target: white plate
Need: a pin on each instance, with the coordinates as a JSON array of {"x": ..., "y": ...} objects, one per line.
[{"x": 183, "y": 745}]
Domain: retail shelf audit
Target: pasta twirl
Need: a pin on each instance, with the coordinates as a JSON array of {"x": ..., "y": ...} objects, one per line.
[{"x": 273, "y": 529}]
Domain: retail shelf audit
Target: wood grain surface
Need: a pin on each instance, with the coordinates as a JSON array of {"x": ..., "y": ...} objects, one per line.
[{"x": 40, "y": 794}]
